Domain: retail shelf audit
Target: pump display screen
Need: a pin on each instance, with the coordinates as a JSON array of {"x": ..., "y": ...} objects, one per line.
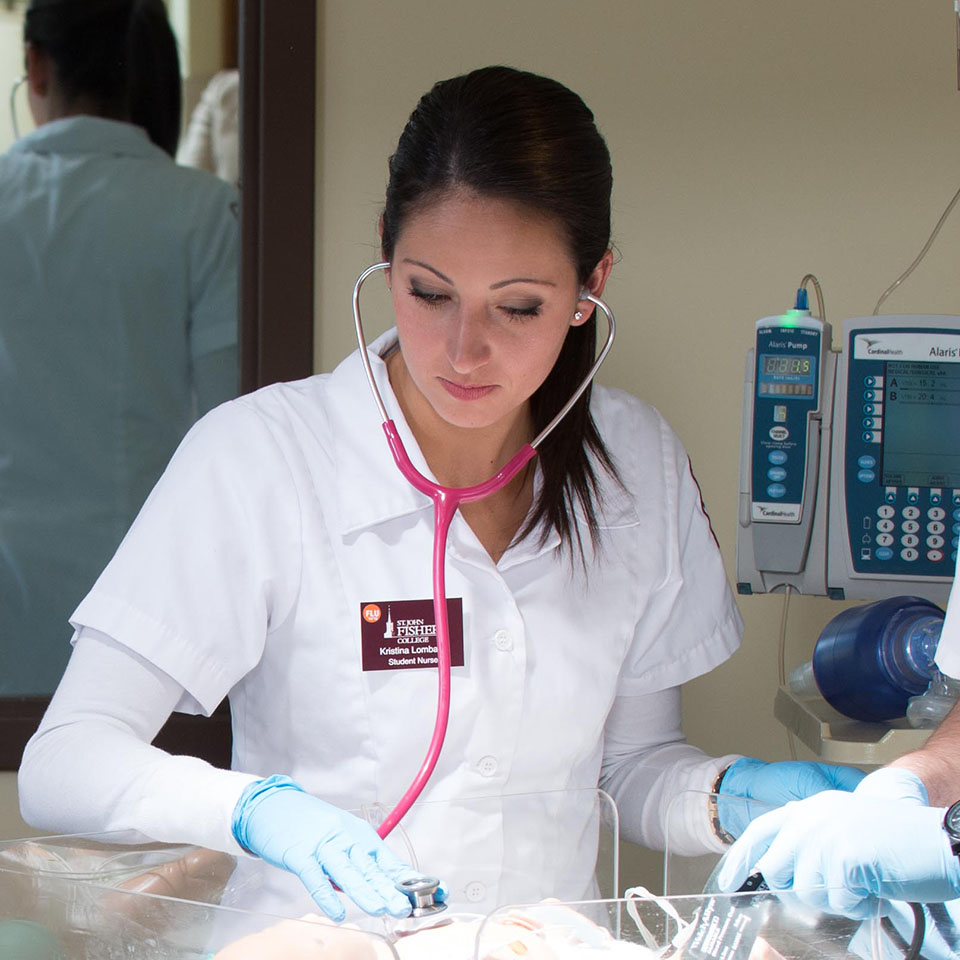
[
  {"x": 921, "y": 425},
  {"x": 786, "y": 375},
  {"x": 786, "y": 364}
]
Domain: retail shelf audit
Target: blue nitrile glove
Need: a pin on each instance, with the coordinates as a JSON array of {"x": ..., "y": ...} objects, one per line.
[
  {"x": 841, "y": 851},
  {"x": 278, "y": 821},
  {"x": 773, "y": 785}
]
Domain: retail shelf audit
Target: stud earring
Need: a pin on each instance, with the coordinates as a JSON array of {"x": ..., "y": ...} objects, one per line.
[{"x": 578, "y": 315}]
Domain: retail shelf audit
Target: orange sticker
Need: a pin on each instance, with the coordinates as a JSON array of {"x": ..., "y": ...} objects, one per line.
[{"x": 372, "y": 613}]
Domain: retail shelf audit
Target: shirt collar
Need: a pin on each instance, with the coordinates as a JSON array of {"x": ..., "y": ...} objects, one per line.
[
  {"x": 84, "y": 135},
  {"x": 370, "y": 488}
]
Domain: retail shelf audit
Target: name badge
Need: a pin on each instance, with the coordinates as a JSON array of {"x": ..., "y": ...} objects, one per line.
[{"x": 402, "y": 634}]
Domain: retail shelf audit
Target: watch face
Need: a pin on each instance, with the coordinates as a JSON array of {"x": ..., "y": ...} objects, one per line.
[{"x": 951, "y": 821}]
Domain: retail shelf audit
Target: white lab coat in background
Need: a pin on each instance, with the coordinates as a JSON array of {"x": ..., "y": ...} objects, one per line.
[
  {"x": 118, "y": 328},
  {"x": 283, "y": 514}
]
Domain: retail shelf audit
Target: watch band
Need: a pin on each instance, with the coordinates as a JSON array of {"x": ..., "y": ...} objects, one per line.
[
  {"x": 722, "y": 835},
  {"x": 951, "y": 824}
]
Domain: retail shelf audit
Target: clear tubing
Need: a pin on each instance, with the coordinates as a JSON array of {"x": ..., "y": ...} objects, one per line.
[{"x": 906, "y": 273}]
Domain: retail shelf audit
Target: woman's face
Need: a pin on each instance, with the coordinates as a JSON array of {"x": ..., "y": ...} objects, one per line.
[{"x": 484, "y": 292}]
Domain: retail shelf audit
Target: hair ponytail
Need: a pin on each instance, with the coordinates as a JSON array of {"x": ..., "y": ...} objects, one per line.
[
  {"x": 153, "y": 74},
  {"x": 517, "y": 136}
]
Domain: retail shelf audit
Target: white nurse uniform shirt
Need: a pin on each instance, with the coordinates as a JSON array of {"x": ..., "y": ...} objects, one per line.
[
  {"x": 282, "y": 516},
  {"x": 118, "y": 328}
]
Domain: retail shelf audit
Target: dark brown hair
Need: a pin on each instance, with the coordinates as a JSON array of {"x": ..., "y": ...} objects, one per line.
[
  {"x": 517, "y": 136},
  {"x": 121, "y": 55}
]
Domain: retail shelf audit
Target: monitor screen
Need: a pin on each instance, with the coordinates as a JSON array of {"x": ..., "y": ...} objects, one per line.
[{"x": 921, "y": 425}]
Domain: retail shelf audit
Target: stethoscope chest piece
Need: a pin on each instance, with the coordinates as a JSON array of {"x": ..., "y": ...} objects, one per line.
[{"x": 421, "y": 891}]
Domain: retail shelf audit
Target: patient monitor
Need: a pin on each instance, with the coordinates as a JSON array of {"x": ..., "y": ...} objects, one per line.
[{"x": 850, "y": 459}]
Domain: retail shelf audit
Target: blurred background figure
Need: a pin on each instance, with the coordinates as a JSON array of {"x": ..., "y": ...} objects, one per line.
[
  {"x": 118, "y": 310},
  {"x": 211, "y": 141}
]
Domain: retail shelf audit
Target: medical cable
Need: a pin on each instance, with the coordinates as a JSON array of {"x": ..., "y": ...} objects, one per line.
[
  {"x": 446, "y": 502},
  {"x": 933, "y": 236},
  {"x": 912, "y": 950},
  {"x": 810, "y": 278}
]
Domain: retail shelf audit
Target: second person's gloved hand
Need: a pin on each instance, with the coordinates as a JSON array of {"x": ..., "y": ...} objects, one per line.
[
  {"x": 841, "y": 852},
  {"x": 774, "y": 784},
  {"x": 289, "y": 828}
]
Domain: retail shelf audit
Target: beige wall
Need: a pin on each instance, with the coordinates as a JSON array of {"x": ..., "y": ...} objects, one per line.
[
  {"x": 11, "y": 67},
  {"x": 753, "y": 141}
]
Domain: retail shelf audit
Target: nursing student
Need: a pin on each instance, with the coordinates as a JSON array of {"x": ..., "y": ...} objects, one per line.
[{"x": 586, "y": 592}]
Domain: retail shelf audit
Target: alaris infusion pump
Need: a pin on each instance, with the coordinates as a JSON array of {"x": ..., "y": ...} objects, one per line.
[{"x": 850, "y": 459}]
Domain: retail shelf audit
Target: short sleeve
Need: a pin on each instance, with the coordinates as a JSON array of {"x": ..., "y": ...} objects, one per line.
[
  {"x": 687, "y": 620},
  {"x": 212, "y": 562}
]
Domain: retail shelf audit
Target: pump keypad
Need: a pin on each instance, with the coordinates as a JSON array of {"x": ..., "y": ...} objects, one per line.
[{"x": 902, "y": 533}]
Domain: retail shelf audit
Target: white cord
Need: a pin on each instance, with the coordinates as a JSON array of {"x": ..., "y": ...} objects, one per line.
[
  {"x": 822, "y": 313},
  {"x": 933, "y": 236},
  {"x": 782, "y": 659}
]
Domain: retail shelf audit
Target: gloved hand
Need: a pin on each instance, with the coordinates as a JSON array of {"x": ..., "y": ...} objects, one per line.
[
  {"x": 774, "y": 784},
  {"x": 278, "y": 821},
  {"x": 841, "y": 852}
]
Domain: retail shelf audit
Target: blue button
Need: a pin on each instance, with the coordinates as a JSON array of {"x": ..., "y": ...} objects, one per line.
[
  {"x": 778, "y": 490},
  {"x": 777, "y": 473},
  {"x": 867, "y": 437},
  {"x": 956, "y": 528},
  {"x": 956, "y": 514},
  {"x": 866, "y": 476},
  {"x": 869, "y": 395},
  {"x": 955, "y": 542},
  {"x": 890, "y": 496},
  {"x": 884, "y": 553},
  {"x": 868, "y": 381},
  {"x": 780, "y": 456},
  {"x": 934, "y": 497},
  {"x": 867, "y": 422},
  {"x": 868, "y": 408},
  {"x": 913, "y": 498},
  {"x": 866, "y": 462}
]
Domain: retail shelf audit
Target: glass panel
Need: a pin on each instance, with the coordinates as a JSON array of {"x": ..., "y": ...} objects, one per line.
[
  {"x": 737, "y": 927},
  {"x": 80, "y": 898}
]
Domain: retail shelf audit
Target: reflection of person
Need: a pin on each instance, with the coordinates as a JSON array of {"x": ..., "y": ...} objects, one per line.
[
  {"x": 896, "y": 837},
  {"x": 118, "y": 272},
  {"x": 211, "y": 141},
  {"x": 591, "y": 587}
]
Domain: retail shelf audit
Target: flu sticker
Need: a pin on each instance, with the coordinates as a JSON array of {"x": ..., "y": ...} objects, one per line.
[{"x": 402, "y": 634}]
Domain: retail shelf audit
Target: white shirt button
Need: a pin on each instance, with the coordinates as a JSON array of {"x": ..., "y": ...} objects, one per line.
[
  {"x": 502, "y": 640},
  {"x": 475, "y": 891},
  {"x": 487, "y": 766}
]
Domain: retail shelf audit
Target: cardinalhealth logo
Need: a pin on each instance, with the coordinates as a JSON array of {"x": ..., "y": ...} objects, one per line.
[{"x": 372, "y": 613}]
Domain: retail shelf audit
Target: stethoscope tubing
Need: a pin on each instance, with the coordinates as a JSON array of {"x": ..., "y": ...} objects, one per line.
[{"x": 446, "y": 502}]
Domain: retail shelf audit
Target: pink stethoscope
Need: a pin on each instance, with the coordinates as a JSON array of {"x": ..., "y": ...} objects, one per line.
[{"x": 446, "y": 501}]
